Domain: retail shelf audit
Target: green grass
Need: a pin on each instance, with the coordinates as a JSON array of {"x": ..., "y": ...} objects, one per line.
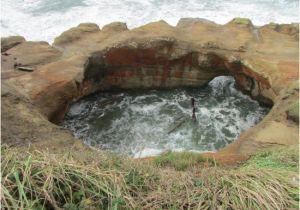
[
  {"x": 90, "y": 180},
  {"x": 280, "y": 158},
  {"x": 182, "y": 160},
  {"x": 44, "y": 181},
  {"x": 242, "y": 21}
]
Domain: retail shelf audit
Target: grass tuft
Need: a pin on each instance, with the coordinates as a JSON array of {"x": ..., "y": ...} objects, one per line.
[
  {"x": 182, "y": 160},
  {"x": 43, "y": 181},
  {"x": 280, "y": 158},
  {"x": 73, "y": 181}
]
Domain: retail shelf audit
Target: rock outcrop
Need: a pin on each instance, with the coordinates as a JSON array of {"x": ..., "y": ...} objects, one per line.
[
  {"x": 76, "y": 33},
  {"x": 115, "y": 27},
  {"x": 85, "y": 59},
  {"x": 10, "y": 42}
]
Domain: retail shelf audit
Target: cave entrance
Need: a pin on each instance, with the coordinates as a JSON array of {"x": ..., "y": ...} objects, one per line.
[{"x": 148, "y": 122}]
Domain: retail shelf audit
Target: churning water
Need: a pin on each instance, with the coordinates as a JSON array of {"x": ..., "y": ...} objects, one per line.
[
  {"x": 46, "y": 19},
  {"x": 145, "y": 123}
]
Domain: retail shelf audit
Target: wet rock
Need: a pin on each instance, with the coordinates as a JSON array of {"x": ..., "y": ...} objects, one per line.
[{"x": 95, "y": 68}]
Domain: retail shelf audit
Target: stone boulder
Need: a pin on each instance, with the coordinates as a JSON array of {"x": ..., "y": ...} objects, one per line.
[
  {"x": 115, "y": 27},
  {"x": 10, "y": 42},
  {"x": 76, "y": 33},
  {"x": 188, "y": 22}
]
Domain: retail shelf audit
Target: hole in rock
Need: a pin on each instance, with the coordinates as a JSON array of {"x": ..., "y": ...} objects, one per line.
[{"x": 148, "y": 122}]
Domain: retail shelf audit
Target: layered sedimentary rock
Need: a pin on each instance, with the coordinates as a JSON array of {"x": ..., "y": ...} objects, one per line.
[{"x": 85, "y": 59}]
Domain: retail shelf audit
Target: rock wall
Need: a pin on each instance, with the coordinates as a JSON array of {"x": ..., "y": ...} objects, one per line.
[
  {"x": 264, "y": 61},
  {"x": 151, "y": 68},
  {"x": 166, "y": 64}
]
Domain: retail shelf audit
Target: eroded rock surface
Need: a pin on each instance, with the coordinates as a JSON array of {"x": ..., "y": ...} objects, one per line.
[
  {"x": 10, "y": 42},
  {"x": 85, "y": 59},
  {"x": 76, "y": 33}
]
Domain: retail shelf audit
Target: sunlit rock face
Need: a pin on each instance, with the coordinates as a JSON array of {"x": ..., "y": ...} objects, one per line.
[{"x": 145, "y": 123}]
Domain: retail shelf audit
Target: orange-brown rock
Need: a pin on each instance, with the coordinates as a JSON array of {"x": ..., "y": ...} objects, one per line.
[
  {"x": 29, "y": 54},
  {"x": 115, "y": 27},
  {"x": 85, "y": 59},
  {"x": 10, "y": 42},
  {"x": 76, "y": 33}
]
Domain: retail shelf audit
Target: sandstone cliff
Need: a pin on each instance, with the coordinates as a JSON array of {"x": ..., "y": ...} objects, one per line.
[{"x": 264, "y": 61}]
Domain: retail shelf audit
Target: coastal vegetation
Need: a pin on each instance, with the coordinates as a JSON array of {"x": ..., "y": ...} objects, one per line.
[
  {"x": 32, "y": 179},
  {"x": 46, "y": 167}
]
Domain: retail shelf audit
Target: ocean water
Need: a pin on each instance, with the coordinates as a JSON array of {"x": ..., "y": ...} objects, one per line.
[
  {"x": 149, "y": 122},
  {"x": 45, "y": 19}
]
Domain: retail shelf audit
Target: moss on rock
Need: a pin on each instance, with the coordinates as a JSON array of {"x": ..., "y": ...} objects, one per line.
[{"x": 242, "y": 21}]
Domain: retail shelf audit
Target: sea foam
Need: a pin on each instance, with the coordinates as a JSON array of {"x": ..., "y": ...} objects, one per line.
[
  {"x": 145, "y": 123},
  {"x": 45, "y": 19}
]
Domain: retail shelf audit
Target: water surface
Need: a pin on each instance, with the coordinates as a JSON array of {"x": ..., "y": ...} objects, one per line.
[
  {"x": 144, "y": 123},
  {"x": 46, "y": 19}
]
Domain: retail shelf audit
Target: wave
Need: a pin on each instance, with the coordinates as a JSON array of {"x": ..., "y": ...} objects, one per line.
[
  {"x": 139, "y": 123},
  {"x": 45, "y": 19}
]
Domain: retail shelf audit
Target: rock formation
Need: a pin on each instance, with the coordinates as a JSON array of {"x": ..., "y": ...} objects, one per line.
[{"x": 263, "y": 60}]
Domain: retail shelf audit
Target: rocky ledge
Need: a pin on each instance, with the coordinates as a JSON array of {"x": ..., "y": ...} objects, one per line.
[{"x": 39, "y": 81}]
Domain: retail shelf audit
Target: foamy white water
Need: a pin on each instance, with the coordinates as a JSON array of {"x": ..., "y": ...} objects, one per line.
[
  {"x": 46, "y": 19},
  {"x": 147, "y": 123}
]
